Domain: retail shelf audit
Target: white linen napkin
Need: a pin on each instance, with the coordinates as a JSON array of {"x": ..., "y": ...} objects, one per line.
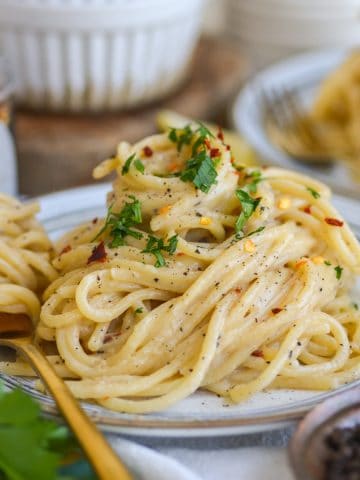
[
  {"x": 147, "y": 464},
  {"x": 255, "y": 457},
  {"x": 255, "y": 463}
]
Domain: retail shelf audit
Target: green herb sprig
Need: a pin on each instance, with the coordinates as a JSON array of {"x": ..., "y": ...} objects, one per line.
[
  {"x": 248, "y": 207},
  {"x": 156, "y": 246},
  {"x": 200, "y": 169},
  {"x": 338, "y": 271},
  {"x": 138, "y": 164},
  {"x": 248, "y": 203},
  {"x": 32, "y": 447},
  {"x": 121, "y": 224},
  {"x": 313, "y": 192}
]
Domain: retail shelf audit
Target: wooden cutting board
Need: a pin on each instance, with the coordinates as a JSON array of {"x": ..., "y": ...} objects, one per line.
[{"x": 57, "y": 151}]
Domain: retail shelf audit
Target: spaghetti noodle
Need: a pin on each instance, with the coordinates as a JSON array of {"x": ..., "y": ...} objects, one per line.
[{"x": 205, "y": 275}]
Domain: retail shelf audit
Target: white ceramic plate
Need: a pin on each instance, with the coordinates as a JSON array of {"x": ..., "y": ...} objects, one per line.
[
  {"x": 202, "y": 414},
  {"x": 302, "y": 74}
]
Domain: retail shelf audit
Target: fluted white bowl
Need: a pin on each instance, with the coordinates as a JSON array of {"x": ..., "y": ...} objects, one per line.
[
  {"x": 273, "y": 29},
  {"x": 95, "y": 55}
]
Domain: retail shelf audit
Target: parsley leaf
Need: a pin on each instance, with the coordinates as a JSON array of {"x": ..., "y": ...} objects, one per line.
[
  {"x": 126, "y": 167},
  {"x": 248, "y": 205},
  {"x": 338, "y": 271},
  {"x": 355, "y": 305},
  {"x": 201, "y": 171},
  {"x": 256, "y": 177},
  {"x": 181, "y": 136},
  {"x": 313, "y": 192},
  {"x": 156, "y": 245},
  {"x": 120, "y": 223},
  {"x": 31, "y": 446},
  {"x": 139, "y": 165},
  {"x": 139, "y": 310},
  {"x": 327, "y": 263},
  {"x": 200, "y": 168}
]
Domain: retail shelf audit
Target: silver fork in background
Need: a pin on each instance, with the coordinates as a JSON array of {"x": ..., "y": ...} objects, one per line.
[{"x": 292, "y": 129}]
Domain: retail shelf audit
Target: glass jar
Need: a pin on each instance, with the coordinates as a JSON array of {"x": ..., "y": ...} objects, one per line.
[{"x": 8, "y": 165}]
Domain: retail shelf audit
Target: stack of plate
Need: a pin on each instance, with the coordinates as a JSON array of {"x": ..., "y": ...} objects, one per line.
[{"x": 273, "y": 29}]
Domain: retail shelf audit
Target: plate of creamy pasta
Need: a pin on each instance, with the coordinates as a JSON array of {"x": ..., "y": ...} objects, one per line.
[
  {"x": 192, "y": 295},
  {"x": 326, "y": 87}
]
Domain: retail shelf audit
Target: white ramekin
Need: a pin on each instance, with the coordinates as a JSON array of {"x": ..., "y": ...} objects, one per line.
[
  {"x": 78, "y": 55},
  {"x": 270, "y": 30}
]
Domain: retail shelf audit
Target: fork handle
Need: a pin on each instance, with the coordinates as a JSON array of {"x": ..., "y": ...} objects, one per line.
[{"x": 105, "y": 462}]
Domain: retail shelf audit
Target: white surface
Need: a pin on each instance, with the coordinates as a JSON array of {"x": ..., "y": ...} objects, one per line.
[
  {"x": 99, "y": 54},
  {"x": 202, "y": 414},
  {"x": 302, "y": 74}
]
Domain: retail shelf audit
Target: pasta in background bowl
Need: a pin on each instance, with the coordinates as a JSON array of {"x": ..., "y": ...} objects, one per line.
[{"x": 202, "y": 275}]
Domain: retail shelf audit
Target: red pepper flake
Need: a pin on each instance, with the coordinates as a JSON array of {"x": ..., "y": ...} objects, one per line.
[
  {"x": 307, "y": 209},
  {"x": 276, "y": 310},
  {"x": 147, "y": 151},
  {"x": 180, "y": 254},
  {"x": 95, "y": 220},
  {"x": 98, "y": 254},
  {"x": 207, "y": 143},
  {"x": 334, "y": 222},
  {"x": 214, "y": 152},
  {"x": 65, "y": 249},
  {"x": 220, "y": 134},
  {"x": 228, "y": 147},
  {"x": 238, "y": 290},
  {"x": 258, "y": 353}
]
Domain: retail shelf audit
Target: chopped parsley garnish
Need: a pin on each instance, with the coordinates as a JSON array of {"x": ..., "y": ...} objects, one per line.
[
  {"x": 313, "y": 192},
  {"x": 156, "y": 246},
  {"x": 200, "y": 170},
  {"x": 327, "y": 263},
  {"x": 256, "y": 177},
  {"x": 338, "y": 271},
  {"x": 139, "y": 310},
  {"x": 248, "y": 205},
  {"x": 137, "y": 164},
  {"x": 203, "y": 134},
  {"x": 181, "y": 136},
  {"x": 120, "y": 224},
  {"x": 126, "y": 167},
  {"x": 355, "y": 305}
]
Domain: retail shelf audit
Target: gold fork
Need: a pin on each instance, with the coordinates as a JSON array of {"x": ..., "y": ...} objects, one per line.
[{"x": 16, "y": 332}]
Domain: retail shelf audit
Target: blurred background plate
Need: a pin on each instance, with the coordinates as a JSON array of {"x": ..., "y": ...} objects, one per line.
[
  {"x": 202, "y": 414},
  {"x": 302, "y": 74}
]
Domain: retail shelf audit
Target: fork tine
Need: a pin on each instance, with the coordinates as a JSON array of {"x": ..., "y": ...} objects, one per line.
[
  {"x": 275, "y": 110},
  {"x": 301, "y": 127}
]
